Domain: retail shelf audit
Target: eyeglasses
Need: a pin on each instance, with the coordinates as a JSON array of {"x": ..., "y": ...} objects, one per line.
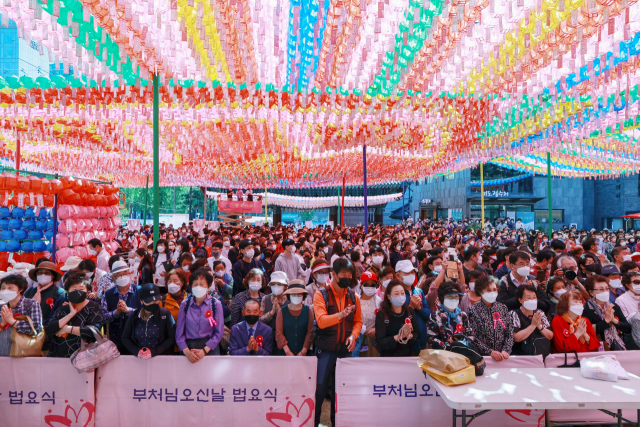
[{"x": 635, "y": 282}]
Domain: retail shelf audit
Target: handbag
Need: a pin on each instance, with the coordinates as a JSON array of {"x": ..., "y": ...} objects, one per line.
[
  {"x": 23, "y": 345},
  {"x": 89, "y": 357},
  {"x": 467, "y": 348},
  {"x": 447, "y": 367},
  {"x": 576, "y": 364}
]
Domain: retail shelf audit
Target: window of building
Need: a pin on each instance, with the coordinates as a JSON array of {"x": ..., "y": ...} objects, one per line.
[{"x": 542, "y": 216}]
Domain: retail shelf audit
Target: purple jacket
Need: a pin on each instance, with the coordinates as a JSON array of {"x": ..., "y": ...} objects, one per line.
[
  {"x": 240, "y": 339},
  {"x": 196, "y": 325}
]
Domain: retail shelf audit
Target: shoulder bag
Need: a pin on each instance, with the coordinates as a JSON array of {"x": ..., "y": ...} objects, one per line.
[
  {"x": 23, "y": 345},
  {"x": 89, "y": 357}
]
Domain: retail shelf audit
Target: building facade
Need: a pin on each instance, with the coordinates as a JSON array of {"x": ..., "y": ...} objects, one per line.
[
  {"x": 19, "y": 57},
  {"x": 582, "y": 202}
]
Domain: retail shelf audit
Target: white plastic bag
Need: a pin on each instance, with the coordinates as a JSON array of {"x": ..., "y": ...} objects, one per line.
[{"x": 605, "y": 367}]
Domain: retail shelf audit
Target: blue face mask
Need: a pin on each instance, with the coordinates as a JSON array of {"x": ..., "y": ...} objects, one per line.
[{"x": 398, "y": 301}]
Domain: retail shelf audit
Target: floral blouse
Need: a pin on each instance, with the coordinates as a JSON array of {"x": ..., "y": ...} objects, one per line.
[
  {"x": 492, "y": 327},
  {"x": 440, "y": 328}
]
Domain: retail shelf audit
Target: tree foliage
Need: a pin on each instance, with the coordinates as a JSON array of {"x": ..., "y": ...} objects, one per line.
[{"x": 187, "y": 200}]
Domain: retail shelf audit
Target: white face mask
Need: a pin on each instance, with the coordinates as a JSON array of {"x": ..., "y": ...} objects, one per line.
[
  {"x": 531, "y": 304},
  {"x": 627, "y": 258},
  {"x": 43, "y": 279},
  {"x": 446, "y": 244},
  {"x": 220, "y": 274},
  {"x": 408, "y": 280},
  {"x": 559, "y": 293},
  {"x": 8, "y": 295},
  {"x": 576, "y": 309},
  {"x": 451, "y": 304},
  {"x": 277, "y": 289},
  {"x": 226, "y": 244},
  {"x": 322, "y": 278},
  {"x": 437, "y": 268},
  {"x": 602, "y": 296},
  {"x": 173, "y": 288},
  {"x": 369, "y": 290},
  {"x": 185, "y": 268},
  {"x": 472, "y": 286},
  {"x": 292, "y": 249},
  {"x": 199, "y": 291},
  {"x": 490, "y": 297},
  {"x": 295, "y": 299},
  {"x": 326, "y": 250},
  {"x": 249, "y": 253},
  {"x": 636, "y": 289},
  {"x": 255, "y": 286},
  {"x": 385, "y": 283},
  {"x": 377, "y": 259},
  {"x": 161, "y": 249},
  {"x": 123, "y": 281},
  {"x": 92, "y": 252},
  {"x": 523, "y": 271},
  {"x": 615, "y": 283}
]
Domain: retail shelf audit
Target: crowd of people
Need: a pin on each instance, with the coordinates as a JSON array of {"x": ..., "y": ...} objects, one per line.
[{"x": 387, "y": 291}]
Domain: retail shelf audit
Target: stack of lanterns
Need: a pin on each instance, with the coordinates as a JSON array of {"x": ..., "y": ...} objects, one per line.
[
  {"x": 86, "y": 210},
  {"x": 26, "y": 225}
]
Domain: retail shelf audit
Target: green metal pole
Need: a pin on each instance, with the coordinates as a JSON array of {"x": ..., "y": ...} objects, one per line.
[
  {"x": 146, "y": 200},
  {"x": 156, "y": 160},
  {"x": 549, "y": 193}
]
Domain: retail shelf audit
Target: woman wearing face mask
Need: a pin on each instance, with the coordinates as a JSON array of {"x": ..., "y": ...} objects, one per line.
[
  {"x": 396, "y": 324},
  {"x": 12, "y": 288},
  {"x": 271, "y": 303},
  {"x": 254, "y": 282},
  {"x": 71, "y": 322},
  {"x": 385, "y": 277},
  {"x": 162, "y": 262},
  {"x": 320, "y": 276},
  {"x": 571, "y": 331},
  {"x": 448, "y": 323},
  {"x": 395, "y": 253},
  {"x": 555, "y": 288},
  {"x": 610, "y": 323},
  {"x": 200, "y": 322},
  {"x": 150, "y": 330},
  {"x": 46, "y": 292},
  {"x": 222, "y": 280},
  {"x": 588, "y": 265},
  {"x": 185, "y": 261},
  {"x": 470, "y": 298},
  {"x": 531, "y": 329},
  {"x": 146, "y": 268},
  {"x": 294, "y": 322},
  {"x": 432, "y": 294},
  {"x": 176, "y": 281},
  {"x": 491, "y": 322},
  {"x": 630, "y": 300},
  {"x": 406, "y": 273},
  {"x": 432, "y": 266},
  {"x": 378, "y": 260}
]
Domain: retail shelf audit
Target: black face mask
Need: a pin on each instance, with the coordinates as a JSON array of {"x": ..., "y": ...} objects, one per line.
[
  {"x": 591, "y": 267},
  {"x": 344, "y": 282},
  {"x": 151, "y": 308},
  {"x": 251, "y": 319},
  {"x": 76, "y": 297}
]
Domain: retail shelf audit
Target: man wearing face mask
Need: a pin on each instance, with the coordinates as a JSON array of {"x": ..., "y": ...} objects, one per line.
[
  {"x": 377, "y": 259},
  {"x": 244, "y": 266},
  {"x": 288, "y": 262},
  {"x": 630, "y": 300},
  {"x": 251, "y": 337},
  {"x": 102, "y": 256},
  {"x": 216, "y": 255},
  {"x": 119, "y": 302},
  {"x": 614, "y": 277},
  {"x": 150, "y": 330},
  {"x": 294, "y": 323},
  {"x": 519, "y": 264},
  {"x": 620, "y": 254},
  {"x": 339, "y": 322}
]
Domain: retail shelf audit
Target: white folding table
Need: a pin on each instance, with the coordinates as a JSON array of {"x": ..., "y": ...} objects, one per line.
[{"x": 540, "y": 388}]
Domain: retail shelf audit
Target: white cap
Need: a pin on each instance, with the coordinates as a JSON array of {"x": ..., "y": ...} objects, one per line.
[
  {"x": 279, "y": 277},
  {"x": 71, "y": 263},
  {"x": 405, "y": 266},
  {"x": 119, "y": 266}
]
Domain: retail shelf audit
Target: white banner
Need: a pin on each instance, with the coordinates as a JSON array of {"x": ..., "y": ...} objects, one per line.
[
  {"x": 629, "y": 361},
  {"x": 394, "y": 391},
  {"x": 220, "y": 390},
  {"x": 45, "y": 391}
]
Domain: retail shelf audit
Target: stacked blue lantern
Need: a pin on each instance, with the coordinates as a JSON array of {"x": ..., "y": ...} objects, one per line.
[{"x": 22, "y": 230}]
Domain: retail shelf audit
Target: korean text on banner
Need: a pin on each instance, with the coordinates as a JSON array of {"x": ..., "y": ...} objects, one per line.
[
  {"x": 394, "y": 391},
  {"x": 236, "y": 206},
  {"x": 45, "y": 391},
  {"x": 225, "y": 391}
]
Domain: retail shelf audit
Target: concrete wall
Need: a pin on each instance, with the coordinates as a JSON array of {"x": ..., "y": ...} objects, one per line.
[
  {"x": 450, "y": 193},
  {"x": 615, "y": 198},
  {"x": 568, "y": 194}
]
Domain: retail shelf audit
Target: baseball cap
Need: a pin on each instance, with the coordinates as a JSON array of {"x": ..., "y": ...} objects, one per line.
[
  {"x": 405, "y": 266},
  {"x": 149, "y": 293},
  {"x": 368, "y": 275}
]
